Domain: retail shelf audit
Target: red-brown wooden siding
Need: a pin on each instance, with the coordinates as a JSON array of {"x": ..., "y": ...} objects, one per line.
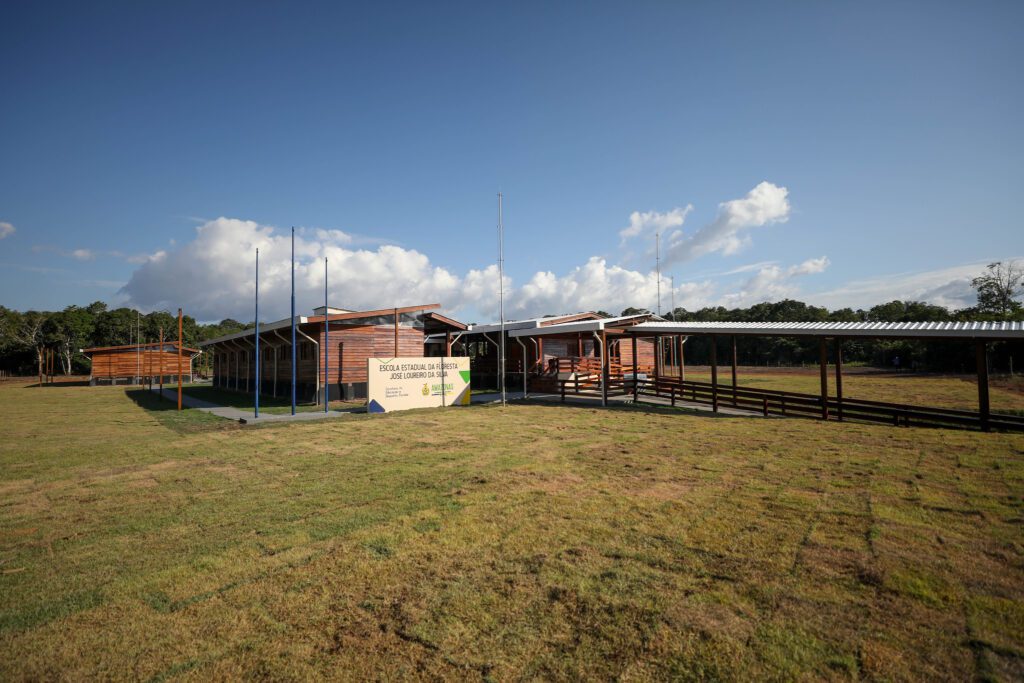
[{"x": 129, "y": 363}]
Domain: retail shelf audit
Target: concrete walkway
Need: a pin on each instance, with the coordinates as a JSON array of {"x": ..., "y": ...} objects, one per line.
[{"x": 246, "y": 416}]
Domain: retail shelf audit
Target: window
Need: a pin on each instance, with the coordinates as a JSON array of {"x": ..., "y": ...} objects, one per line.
[{"x": 305, "y": 351}]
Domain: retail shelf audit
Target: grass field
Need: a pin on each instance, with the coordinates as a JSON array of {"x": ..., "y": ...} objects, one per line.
[{"x": 531, "y": 542}]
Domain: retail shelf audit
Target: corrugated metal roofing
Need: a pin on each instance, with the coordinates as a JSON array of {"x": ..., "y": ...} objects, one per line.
[
  {"x": 526, "y": 323},
  {"x": 576, "y": 326},
  {"x": 971, "y": 330}
]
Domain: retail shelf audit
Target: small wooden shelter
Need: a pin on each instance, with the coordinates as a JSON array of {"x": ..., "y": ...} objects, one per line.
[{"x": 132, "y": 363}]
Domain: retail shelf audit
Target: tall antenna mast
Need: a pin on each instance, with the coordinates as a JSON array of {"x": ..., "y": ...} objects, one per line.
[
  {"x": 657, "y": 265},
  {"x": 501, "y": 300},
  {"x": 138, "y": 346},
  {"x": 256, "y": 398}
]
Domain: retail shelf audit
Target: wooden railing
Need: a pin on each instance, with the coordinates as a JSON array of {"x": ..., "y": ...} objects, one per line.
[
  {"x": 765, "y": 401},
  {"x": 774, "y": 402}
]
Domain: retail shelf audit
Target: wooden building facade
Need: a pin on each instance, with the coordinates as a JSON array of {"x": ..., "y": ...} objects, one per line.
[
  {"x": 134, "y": 362},
  {"x": 331, "y": 362},
  {"x": 545, "y": 347}
]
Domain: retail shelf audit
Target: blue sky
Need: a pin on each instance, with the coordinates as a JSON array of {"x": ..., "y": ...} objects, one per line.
[{"x": 894, "y": 129}]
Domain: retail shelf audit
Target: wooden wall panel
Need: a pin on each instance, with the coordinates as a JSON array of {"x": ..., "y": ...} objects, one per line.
[{"x": 128, "y": 363}]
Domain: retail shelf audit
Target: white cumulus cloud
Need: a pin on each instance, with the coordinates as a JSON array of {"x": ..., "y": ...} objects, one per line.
[
  {"x": 6, "y": 230},
  {"x": 765, "y": 204},
  {"x": 211, "y": 277},
  {"x": 642, "y": 223}
]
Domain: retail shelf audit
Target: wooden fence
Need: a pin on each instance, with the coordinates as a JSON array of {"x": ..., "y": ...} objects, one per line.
[{"x": 774, "y": 402}]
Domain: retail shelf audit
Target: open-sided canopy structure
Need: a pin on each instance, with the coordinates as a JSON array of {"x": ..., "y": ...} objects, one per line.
[{"x": 980, "y": 333}]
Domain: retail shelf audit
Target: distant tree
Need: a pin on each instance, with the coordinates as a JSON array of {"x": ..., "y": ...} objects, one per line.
[
  {"x": 96, "y": 307},
  {"x": 908, "y": 312},
  {"x": 847, "y": 315},
  {"x": 69, "y": 330},
  {"x": 634, "y": 311},
  {"x": 28, "y": 330},
  {"x": 998, "y": 290},
  {"x": 114, "y": 328}
]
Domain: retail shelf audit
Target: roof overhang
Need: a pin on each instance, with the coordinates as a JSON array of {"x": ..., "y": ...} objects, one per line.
[
  {"x": 143, "y": 347},
  {"x": 937, "y": 330},
  {"x": 582, "y": 326},
  {"x": 533, "y": 323}
]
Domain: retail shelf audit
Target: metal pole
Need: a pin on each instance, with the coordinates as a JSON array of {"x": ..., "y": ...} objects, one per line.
[
  {"x": 501, "y": 299},
  {"x": 293, "y": 321},
  {"x": 657, "y": 268},
  {"x": 162, "y": 362},
  {"x": 327, "y": 347},
  {"x": 138, "y": 347},
  {"x": 179, "y": 359},
  {"x": 256, "y": 404}
]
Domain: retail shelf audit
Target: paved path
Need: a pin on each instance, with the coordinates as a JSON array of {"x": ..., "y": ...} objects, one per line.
[{"x": 246, "y": 416}]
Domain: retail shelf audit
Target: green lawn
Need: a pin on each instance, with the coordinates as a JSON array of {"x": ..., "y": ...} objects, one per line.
[{"x": 530, "y": 542}]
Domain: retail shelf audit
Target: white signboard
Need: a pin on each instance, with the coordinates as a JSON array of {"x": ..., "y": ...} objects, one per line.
[{"x": 404, "y": 383}]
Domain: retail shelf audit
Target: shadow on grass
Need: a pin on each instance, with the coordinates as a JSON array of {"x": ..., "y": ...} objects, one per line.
[
  {"x": 185, "y": 421},
  {"x": 60, "y": 384}
]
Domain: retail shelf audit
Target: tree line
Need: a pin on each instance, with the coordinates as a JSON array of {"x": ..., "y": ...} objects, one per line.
[{"x": 27, "y": 337}]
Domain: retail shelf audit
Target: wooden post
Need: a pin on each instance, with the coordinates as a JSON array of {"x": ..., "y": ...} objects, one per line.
[
  {"x": 604, "y": 368},
  {"x": 657, "y": 348},
  {"x": 179, "y": 359},
  {"x": 981, "y": 356},
  {"x": 636, "y": 380},
  {"x": 679, "y": 355},
  {"x": 540, "y": 354},
  {"x": 823, "y": 360},
  {"x": 839, "y": 378},
  {"x": 579, "y": 344},
  {"x": 447, "y": 343},
  {"x": 734, "y": 370},
  {"x": 714, "y": 373},
  {"x": 396, "y": 333}
]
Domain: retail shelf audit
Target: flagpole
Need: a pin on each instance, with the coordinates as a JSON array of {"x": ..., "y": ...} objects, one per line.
[
  {"x": 501, "y": 299},
  {"x": 327, "y": 347},
  {"x": 257, "y": 401},
  {"x": 293, "y": 321}
]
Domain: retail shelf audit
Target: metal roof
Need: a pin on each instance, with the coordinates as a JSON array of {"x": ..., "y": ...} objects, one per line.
[
  {"x": 528, "y": 323},
  {"x": 966, "y": 330},
  {"x": 576, "y": 326}
]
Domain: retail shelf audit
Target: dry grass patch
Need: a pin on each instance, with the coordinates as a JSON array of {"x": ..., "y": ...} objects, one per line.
[{"x": 484, "y": 543}]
